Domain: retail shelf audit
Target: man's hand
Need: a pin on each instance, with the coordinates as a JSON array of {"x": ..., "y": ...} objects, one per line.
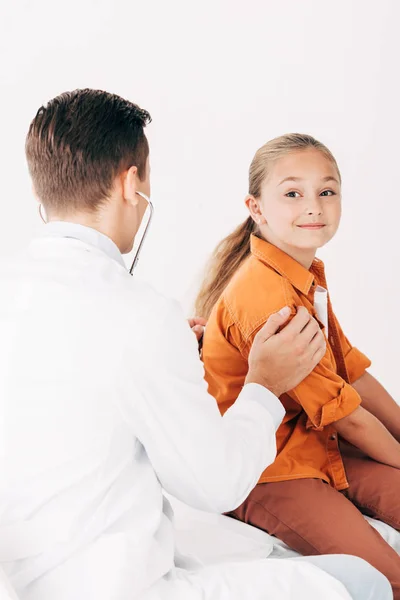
[
  {"x": 280, "y": 361},
  {"x": 197, "y": 325}
]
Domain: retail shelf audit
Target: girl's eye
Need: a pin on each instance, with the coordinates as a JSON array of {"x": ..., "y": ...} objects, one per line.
[
  {"x": 293, "y": 195},
  {"x": 327, "y": 193}
]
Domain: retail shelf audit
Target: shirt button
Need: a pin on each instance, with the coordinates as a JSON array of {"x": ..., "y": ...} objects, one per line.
[{"x": 333, "y": 437}]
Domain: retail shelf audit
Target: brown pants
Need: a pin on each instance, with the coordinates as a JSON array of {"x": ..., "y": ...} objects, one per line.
[{"x": 313, "y": 518}]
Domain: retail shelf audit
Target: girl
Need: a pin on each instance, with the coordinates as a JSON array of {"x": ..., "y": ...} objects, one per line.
[{"x": 338, "y": 445}]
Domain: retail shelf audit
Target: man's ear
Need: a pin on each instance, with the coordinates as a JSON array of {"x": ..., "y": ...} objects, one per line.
[
  {"x": 129, "y": 186},
  {"x": 254, "y": 209}
]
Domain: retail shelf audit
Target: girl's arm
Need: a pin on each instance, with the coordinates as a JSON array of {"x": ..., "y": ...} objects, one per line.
[
  {"x": 366, "y": 432},
  {"x": 376, "y": 400}
]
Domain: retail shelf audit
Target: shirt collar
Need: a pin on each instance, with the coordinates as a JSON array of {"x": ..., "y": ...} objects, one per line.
[
  {"x": 88, "y": 235},
  {"x": 288, "y": 267}
]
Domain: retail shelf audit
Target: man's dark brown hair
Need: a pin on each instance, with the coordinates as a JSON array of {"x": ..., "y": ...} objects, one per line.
[{"x": 79, "y": 142}]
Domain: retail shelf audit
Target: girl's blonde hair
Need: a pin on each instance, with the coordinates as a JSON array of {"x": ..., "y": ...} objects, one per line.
[{"x": 234, "y": 249}]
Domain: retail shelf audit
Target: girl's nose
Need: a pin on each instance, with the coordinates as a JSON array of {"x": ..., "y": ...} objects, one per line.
[{"x": 314, "y": 206}]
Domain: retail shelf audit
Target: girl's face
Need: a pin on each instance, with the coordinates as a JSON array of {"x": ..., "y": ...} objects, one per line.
[{"x": 300, "y": 204}]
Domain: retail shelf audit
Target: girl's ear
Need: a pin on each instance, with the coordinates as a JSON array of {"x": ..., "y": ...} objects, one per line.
[{"x": 253, "y": 206}]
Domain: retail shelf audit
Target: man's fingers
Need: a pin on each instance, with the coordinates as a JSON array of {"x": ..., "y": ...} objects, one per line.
[
  {"x": 299, "y": 321},
  {"x": 198, "y": 330},
  {"x": 197, "y": 321},
  {"x": 200, "y": 321},
  {"x": 319, "y": 354},
  {"x": 309, "y": 331},
  {"x": 317, "y": 348},
  {"x": 317, "y": 343},
  {"x": 274, "y": 322}
]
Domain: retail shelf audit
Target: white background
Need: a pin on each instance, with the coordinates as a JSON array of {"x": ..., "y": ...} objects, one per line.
[{"x": 220, "y": 78}]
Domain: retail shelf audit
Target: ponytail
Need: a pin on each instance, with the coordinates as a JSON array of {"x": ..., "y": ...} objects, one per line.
[{"x": 224, "y": 262}]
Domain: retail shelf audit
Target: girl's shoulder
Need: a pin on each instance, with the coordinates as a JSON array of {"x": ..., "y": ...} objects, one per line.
[{"x": 254, "y": 293}]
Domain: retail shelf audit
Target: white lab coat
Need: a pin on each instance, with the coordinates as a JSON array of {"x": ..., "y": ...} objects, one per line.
[{"x": 103, "y": 404}]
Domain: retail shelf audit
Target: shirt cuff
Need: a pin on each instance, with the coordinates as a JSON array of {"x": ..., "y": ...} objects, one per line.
[
  {"x": 336, "y": 409},
  {"x": 264, "y": 397},
  {"x": 356, "y": 364}
]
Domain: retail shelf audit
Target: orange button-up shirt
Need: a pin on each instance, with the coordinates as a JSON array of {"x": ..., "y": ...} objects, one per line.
[{"x": 307, "y": 442}]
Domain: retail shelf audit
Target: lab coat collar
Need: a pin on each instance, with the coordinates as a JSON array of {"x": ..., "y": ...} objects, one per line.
[{"x": 85, "y": 234}]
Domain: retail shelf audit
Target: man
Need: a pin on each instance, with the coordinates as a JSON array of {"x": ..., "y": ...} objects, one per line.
[{"x": 103, "y": 399}]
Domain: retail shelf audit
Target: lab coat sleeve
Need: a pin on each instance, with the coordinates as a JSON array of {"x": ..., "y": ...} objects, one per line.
[{"x": 205, "y": 460}]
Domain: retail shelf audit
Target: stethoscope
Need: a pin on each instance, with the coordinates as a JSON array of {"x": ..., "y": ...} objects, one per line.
[
  {"x": 136, "y": 258},
  {"x": 151, "y": 208}
]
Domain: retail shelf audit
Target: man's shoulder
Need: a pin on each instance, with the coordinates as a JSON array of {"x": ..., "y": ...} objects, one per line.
[
  {"x": 79, "y": 280},
  {"x": 143, "y": 304},
  {"x": 255, "y": 292}
]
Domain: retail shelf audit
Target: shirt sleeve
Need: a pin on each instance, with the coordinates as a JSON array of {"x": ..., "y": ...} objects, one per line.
[
  {"x": 225, "y": 366},
  {"x": 323, "y": 394},
  {"x": 205, "y": 460},
  {"x": 356, "y": 362}
]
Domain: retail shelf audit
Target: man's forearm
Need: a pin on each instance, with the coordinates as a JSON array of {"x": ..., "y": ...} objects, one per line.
[
  {"x": 366, "y": 432},
  {"x": 376, "y": 400}
]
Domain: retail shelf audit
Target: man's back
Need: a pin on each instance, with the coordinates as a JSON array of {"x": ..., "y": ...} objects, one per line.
[{"x": 76, "y": 482}]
